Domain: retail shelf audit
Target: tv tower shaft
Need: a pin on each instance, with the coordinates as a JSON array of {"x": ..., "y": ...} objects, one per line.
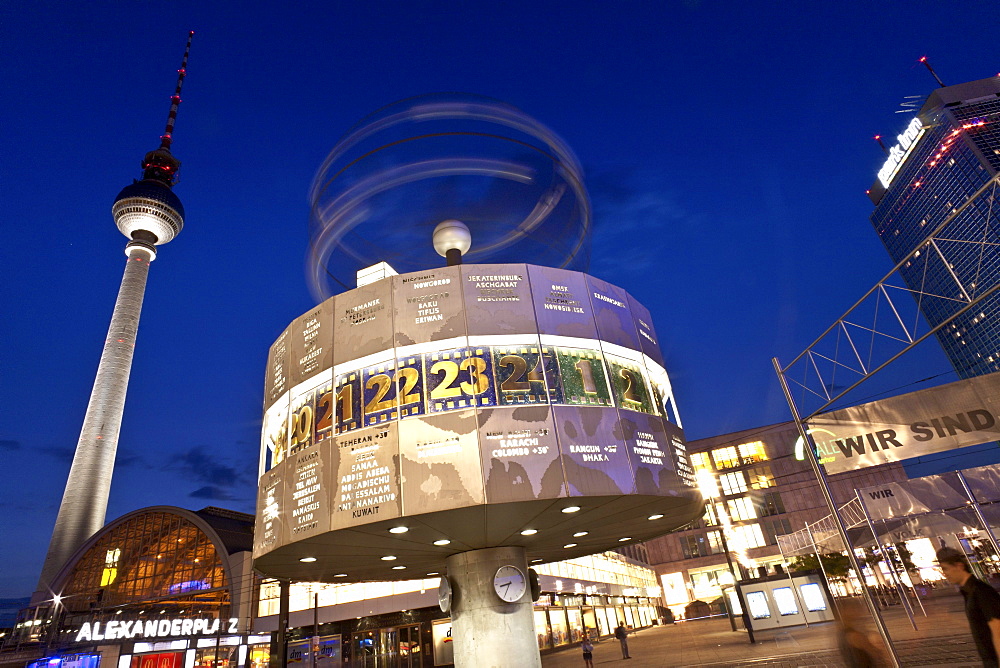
[
  {"x": 149, "y": 214},
  {"x": 85, "y": 499}
]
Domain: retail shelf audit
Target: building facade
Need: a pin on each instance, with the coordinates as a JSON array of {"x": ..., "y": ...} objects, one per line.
[
  {"x": 765, "y": 488},
  {"x": 160, "y": 587},
  {"x": 937, "y": 165}
]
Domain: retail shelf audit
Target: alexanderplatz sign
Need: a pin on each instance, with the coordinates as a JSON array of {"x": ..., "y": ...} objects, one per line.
[{"x": 463, "y": 408}]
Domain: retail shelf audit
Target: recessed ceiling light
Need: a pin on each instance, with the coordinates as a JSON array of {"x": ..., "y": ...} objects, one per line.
[
  {"x": 443, "y": 541},
  {"x": 570, "y": 545},
  {"x": 340, "y": 575},
  {"x": 535, "y": 561},
  {"x": 399, "y": 530},
  {"x": 434, "y": 573},
  {"x": 580, "y": 533},
  {"x": 622, "y": 540},
  {"x": 529, "y": 532},
  {"x": 654, "y": 517},
  {"x": 571, "y": 509},
  {"x": 398, "y": 568},
  {"x": 388, "y": 557},
  {"x": 307, "y": 560}
]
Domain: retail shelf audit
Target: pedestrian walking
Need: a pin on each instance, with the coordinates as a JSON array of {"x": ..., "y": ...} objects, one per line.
[
  {"x": 622, "y": 634},
  {"x": 982, "y": 604},
  {"x": 588, "y": 651},
  {"x": 856, "y": 646}
]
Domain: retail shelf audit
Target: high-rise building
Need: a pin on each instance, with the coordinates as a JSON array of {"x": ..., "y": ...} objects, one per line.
[
  {"x": 149, "y": 214},
  {"x": 939, "y": 163}
]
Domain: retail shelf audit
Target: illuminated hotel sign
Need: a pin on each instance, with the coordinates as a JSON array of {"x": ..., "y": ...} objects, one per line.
[
  {"x": 898, "y": 153},
  {"x": 154, "y": 628}
]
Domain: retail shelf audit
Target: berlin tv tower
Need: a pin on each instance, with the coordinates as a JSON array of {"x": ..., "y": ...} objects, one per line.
[{"x": 149, "y": 214}]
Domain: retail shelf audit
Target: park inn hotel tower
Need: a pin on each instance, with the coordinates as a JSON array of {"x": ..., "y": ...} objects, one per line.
[{"x": 937, "y": 164}]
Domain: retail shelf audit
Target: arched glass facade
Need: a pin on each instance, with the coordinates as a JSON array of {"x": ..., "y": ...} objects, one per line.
[{"x": 153, "y": 559}]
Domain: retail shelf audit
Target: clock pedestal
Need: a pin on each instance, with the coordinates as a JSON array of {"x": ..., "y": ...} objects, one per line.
[{"x": 486, "y": 629}]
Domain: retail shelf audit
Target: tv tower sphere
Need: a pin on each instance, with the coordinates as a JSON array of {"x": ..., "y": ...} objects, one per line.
[{"x": 148, "y": 208}]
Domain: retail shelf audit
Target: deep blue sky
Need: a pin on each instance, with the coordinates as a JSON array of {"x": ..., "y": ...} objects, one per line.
[{"x": 727, "y": 148}]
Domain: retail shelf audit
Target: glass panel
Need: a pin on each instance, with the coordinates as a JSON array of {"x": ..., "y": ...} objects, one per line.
[
  {"x": 813, "y": 597},
  {"x": 603, "y": 624},
  {"x": 543, "y": 630},
  {"x": 590, "y": 622},
  {"x": 560, "y": 630},
  {"x": 757, "y": 603},
  {"x": 725, "y": 458},
  {"x": 575, "y": 624},
  {"x": 260, "y": 656},
  {"x": 785, "y": 600},
  {"x": 751, "y": 453},
  {"x": 409, "y": 646}
]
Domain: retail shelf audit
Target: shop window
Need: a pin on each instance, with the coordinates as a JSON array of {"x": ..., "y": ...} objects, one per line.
[
  {"x": 542, "y": 630},
  {"x": 725, "y": 458},
  {"x": 769, "y": 504},
  {"x": 748, "y": 535},
  {"x": 701, "y": 545},
  {"x": 775, "y": 528},
  {"x": 710, "y": 518},
  {"x": 699, "y": 461},
  {"x": 560, "y": 629},
  {"x": 741, "y": 509},
  {"x": 760, "y": 477},
  {"x": 733, "y": 483},
  {"x": 751, "y": 453}
]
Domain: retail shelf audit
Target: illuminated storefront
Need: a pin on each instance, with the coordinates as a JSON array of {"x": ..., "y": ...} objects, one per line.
[
  {"x": 398, "y": 624},
  {"x": 161, "y": 587}
]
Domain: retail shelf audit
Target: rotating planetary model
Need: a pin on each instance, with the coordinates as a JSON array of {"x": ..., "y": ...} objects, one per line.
[{"x": 480, "y": 410}]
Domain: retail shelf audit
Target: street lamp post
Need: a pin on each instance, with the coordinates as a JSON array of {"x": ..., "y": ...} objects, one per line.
[{"x": 709, "y": 489}]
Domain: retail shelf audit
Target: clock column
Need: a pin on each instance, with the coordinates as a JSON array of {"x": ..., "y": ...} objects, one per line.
[{"x": 483, "y": 623}]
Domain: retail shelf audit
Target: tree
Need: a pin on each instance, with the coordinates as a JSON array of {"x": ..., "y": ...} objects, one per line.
[{"x": 836, "y": 564}]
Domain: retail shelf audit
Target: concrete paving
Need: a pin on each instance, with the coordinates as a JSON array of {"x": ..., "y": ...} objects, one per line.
[{"x": 941, "y": 639}]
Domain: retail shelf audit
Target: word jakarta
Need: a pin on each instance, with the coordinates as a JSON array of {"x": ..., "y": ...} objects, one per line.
[
  {"x": 154, "y": 628},
  {"x": 975, "y": 420}
]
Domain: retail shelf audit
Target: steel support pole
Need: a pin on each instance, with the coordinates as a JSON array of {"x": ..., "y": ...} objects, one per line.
[
  {"x": 822, "y": 568},
  {"x": 791, "y": 583},
  {"x": 824, "y": 486},
  {"x": 888, "y": 562},
  {"x": 745, "y": 614},
  {"x": 979, "y": 513},
  {"x": 912, "y": 587}
]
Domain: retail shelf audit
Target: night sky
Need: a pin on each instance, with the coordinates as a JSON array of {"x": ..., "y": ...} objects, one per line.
[{"x": 727, "y": 148}]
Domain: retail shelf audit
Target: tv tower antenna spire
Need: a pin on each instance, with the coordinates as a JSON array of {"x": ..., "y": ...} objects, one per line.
[{"x": 149, "y": 214}]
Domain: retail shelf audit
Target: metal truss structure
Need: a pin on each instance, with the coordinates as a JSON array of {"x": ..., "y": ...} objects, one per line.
[{"x": 887, "y": 321}]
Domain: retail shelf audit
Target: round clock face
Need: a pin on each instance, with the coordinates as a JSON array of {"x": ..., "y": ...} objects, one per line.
[
  {"x": 444, "y": 594},
  {"x": 509, "y": 583}
]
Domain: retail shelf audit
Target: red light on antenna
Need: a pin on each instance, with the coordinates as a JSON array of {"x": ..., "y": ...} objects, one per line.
[
  {"x": 877, "y": 137},
  {"x": 923, "y": 59}
]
